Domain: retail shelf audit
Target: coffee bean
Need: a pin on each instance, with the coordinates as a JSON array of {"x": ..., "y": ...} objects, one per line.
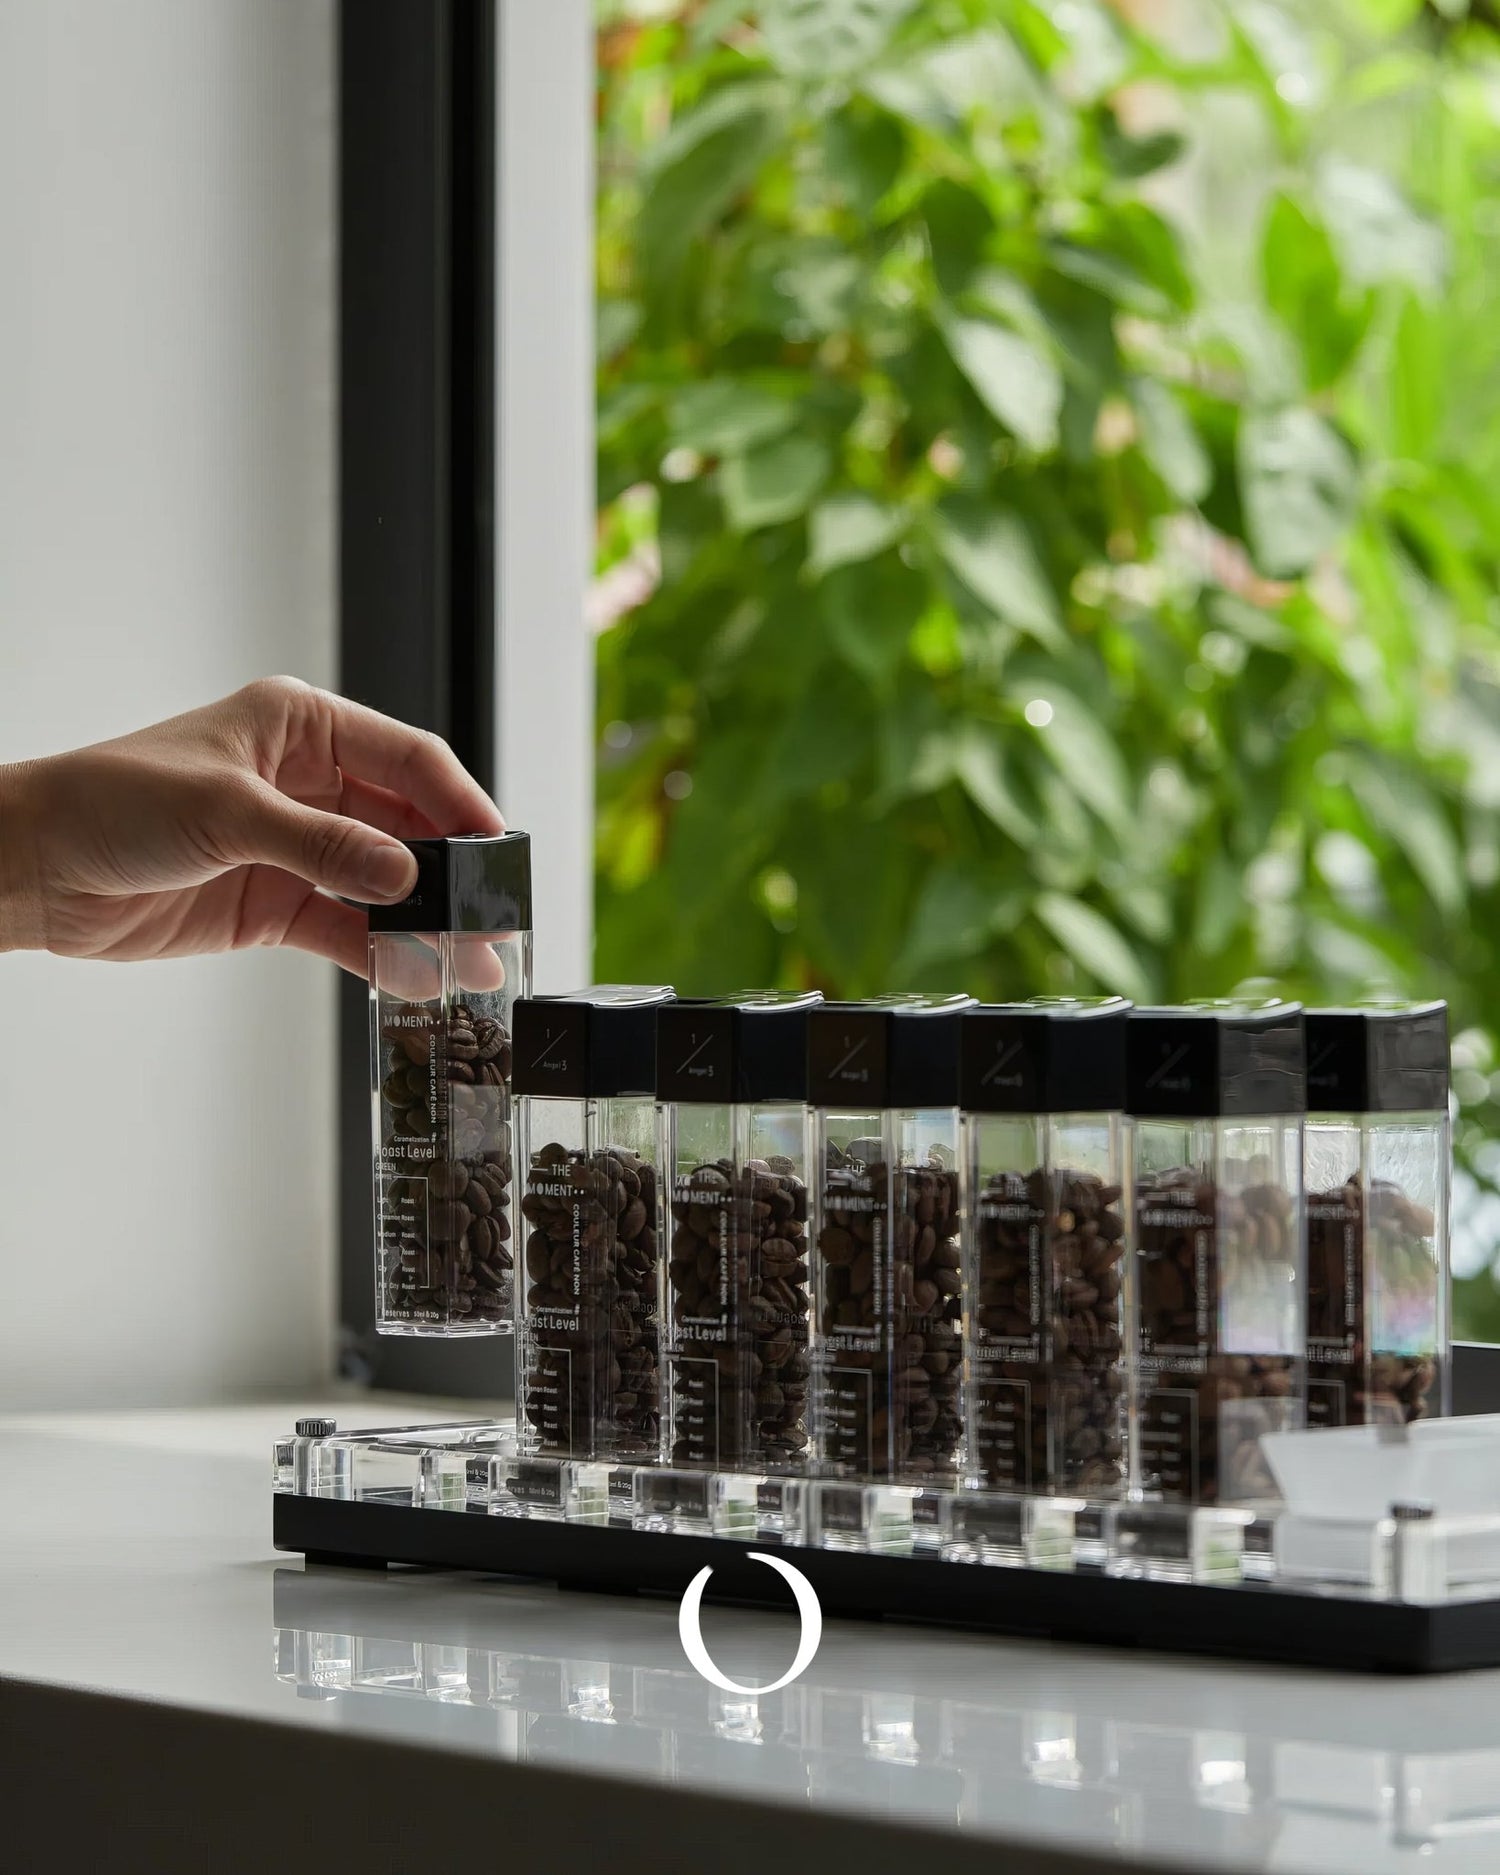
[{"x": 443, "y": 1170}]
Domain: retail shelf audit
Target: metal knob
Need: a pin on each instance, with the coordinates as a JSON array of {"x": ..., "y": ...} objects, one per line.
[{"x": 316, "y": 1428}]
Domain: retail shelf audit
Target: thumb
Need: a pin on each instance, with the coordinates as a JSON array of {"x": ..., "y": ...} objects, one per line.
[{"x": 328, "y": 850}]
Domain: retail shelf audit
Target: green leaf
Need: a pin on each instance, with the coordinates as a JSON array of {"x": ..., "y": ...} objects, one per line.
[
  {"x": 803, "y": 282},
  {"x": 1390, "y": 16},
  {"x": 689, "y": 521},
  {"x": 1132, "y": 157},
  {"x": 1219, "y": 904},
  {"x": 1018, "y": 382},
  {"x": 990, "y": 551},
  {"x": 864, "y": 148},
  {"x": 1404, "y": 809},
  {"x": 707, "y": 159},
  {"x": 827, "y": 38},
  {"x": 616, "y": 322},
  {"x": 849, "y": 527},
  {"x": 721, "y": 416},
  {"x": 869, "y": 610},
  {"x": 774, "y": 482},
  {"x": 1111, "y": 276},
  {"x": 1298, "y": 487},
  {"x": 1378, "y": 234},
  {"x": 1135, "y": 259},
  {"x": 1418, "y": 381},
  {"x": 977, "y": 762},
  {"x": 1280, "y": 46},
  {"x": 958, "y": 225},
  {"x": 619, "y": 409},
  {"x": 956, "y": 913},
  {"x": 1305, "y": 288},
  {"x": 1094, "y": 945},
  {"x": 1169, "y": 442},
  {"x": 1080, "y": 747},
  {"x": 823, "y": 738}
]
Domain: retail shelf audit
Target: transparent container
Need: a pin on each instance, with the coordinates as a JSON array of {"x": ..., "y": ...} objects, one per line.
[
  {"x": 1219, "y": 1245},
  {"x": 875, "y": 1519},
  {"x": 446, "y": 966},
  {"x": 1178, "y": 1542},
  {"x": 696, "y": 1503},
  {"x": 1014, "y": 1531},
  {"x": 781, "y": 1510},
  {"x": 734, "y": 1132},
  {"x": 1379, "y": 1160},
  {"x": 1046, "y": 1270},
  {"x": 588, "y": 1370},
  {"x": 888, "y": 1346}
]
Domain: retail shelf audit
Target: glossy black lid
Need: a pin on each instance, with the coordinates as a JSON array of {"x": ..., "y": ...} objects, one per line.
[
  {"x": 894, "y": 1051},
  {"x": 1051, "y": 1054},
  {"x": 473, "y": 882},
  {"x": 590, "y": 1044},
  {"x": 1378, "y": 1058},
  {"x": 1201, "y": 1060},
  {"x": 745, "y": 1047}
]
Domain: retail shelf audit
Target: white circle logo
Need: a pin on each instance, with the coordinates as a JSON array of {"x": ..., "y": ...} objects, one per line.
[{"x": 808, "y": 1608}]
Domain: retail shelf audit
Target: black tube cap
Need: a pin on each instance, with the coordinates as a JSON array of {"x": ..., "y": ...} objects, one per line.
[
  {"x": 1378, "y": 1058},
  {"x": 476, "y": 882},
  {"x": 895, "y": 1051},
  {"x": 1202, "y": 1060},
  {"x": 1053, "y": 1054},
  {"x": 729, "y": 1049},
  {"x": 590, "y": 1044}
]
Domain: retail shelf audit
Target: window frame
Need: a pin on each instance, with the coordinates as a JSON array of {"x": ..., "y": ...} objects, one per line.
[{"x": 465, "y": 425}]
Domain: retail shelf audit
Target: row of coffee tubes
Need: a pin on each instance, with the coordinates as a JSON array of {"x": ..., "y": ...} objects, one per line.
[{"x": 1061, "y": 1246}]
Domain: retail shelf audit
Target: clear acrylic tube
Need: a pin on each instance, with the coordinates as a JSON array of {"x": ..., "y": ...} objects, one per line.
[
  {"x": 1221, "y": 1302},
  {"x": 737, "y": 1283},
  {"x": 1046, "y": 1370},
  {"x": 588, "y": 1372},
  {"x": 1377, "y": 1234},
  {"x": 440, "y": 1045},
  {"x": 888, "y": 1283}
]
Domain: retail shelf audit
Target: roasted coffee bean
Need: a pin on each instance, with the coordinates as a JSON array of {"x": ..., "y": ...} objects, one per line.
[
  {"x": 1351, "y": 1379},
  {"x": 1048, "y": 1372},
  {"x": 890, "y": 1316},
  {"x": 590, "y": 1380},
  {"x": 445, "y": 1169},
  {"x": 1215, "y": 1270},
  {"x": 738, "y": 1281}
]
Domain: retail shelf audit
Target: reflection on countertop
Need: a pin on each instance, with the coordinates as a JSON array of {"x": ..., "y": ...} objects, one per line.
[{"x": 1219, "y": 1768}]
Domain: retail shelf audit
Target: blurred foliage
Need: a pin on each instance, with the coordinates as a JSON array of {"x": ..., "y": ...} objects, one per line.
[{"x": 1049, "y": 467}]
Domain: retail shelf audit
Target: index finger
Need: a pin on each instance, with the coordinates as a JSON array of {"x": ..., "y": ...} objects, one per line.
[{"x": 409, "y": 762}]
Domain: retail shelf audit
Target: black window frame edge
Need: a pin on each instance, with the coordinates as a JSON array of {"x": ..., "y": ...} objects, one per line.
[
  {"x": 416, "y": 544},
  {"x": 1476, "y": 1377}
]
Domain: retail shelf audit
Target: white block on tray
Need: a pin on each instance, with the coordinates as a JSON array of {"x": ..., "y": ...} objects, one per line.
[{"x": 1358, "y": 1472}]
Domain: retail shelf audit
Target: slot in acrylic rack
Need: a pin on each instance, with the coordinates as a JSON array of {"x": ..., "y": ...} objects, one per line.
[{"x": 1406, "y": 1588}]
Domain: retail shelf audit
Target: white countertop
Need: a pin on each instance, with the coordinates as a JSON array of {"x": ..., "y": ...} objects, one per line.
[{"x": 136, "y": 1560}]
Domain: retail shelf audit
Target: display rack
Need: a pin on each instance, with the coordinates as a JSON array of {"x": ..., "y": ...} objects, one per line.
[{"x": 430, "y": 1497}]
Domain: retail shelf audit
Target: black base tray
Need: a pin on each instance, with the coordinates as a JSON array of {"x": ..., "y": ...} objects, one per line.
[{"x": 1179, "y": 1617}]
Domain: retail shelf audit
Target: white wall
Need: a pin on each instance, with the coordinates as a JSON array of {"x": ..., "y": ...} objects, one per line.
[
  {"x": 166, "y": 528},
  {"x": 544, "y": 425}
]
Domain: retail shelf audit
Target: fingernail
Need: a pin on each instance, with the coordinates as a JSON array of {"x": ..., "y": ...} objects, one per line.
[{"x": 390, "y": 872}]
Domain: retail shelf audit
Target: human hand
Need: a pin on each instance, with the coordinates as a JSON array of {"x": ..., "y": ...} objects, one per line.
[{"x": 227, "y": 828}]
